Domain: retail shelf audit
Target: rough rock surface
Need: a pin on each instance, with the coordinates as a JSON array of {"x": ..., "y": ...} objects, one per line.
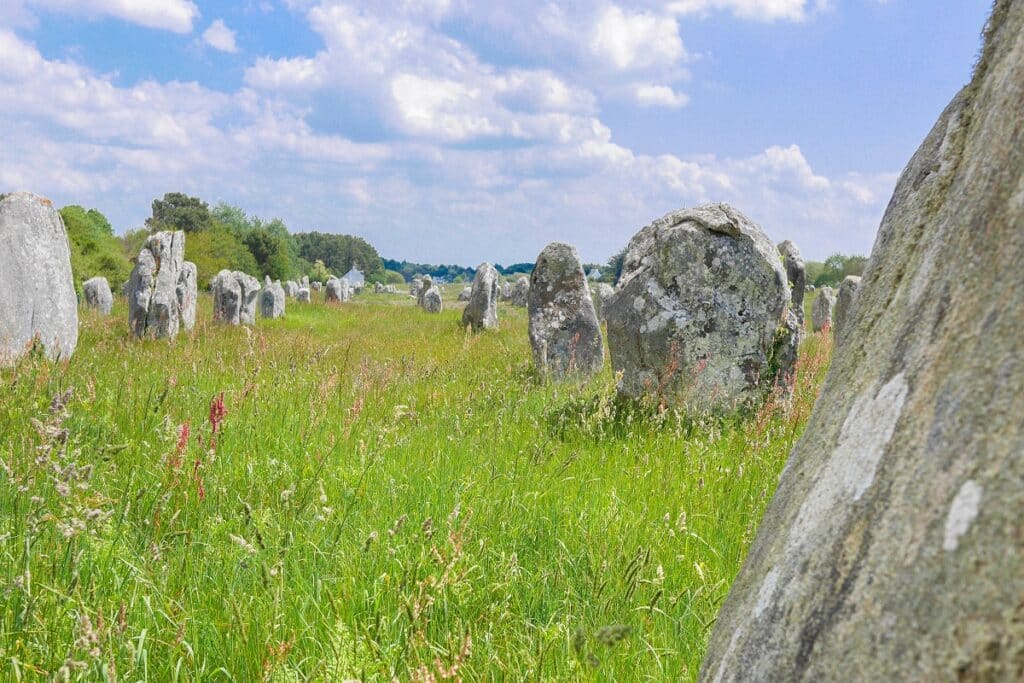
[
  {"x": 414, "y": 287},
  {"x": 822, "y": 308},
  {"x": 601, "y": 293},
  {"x": 38, "y": 298},
  {"x": 316, "y": 286},
  {"x": 506, "y": 291},
  {"x": 796, "y": 273},
  {"x": 893, "y": 547},
  {"x": 425, "y": 284},
  {"x": 234, "y": 297},
  {"x": 844, "y": 301},
  {"x": 482, "y": 310},
  {"x": 291, "y": 288},
  {"x": 303, "y": 295},
  {"x": 698, "y": 317},
  {"x": 272, "y": 299},
  {"x": 338, "y": 290},
  {"x": 96, "y": 293},
  {"x": 187, "y": 293},
  {"x": 466, "y": 293},
  {"x": 564, "y": 333},
  {"x": 432, "y": 300},
  {"x": 521, "y": 292},
  {"x": 153, "y": 307}
]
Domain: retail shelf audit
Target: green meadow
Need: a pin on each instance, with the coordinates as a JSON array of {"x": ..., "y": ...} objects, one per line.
[{"x": 365, "y": 492}]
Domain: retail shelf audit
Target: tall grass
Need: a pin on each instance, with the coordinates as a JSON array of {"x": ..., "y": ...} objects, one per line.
[{"x": 364, "y": 492}]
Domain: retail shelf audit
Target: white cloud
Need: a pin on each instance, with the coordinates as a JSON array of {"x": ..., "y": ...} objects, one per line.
[
  {"x": 758, "y": 10},
  {"x": 170, "y": 15},
  {"x": 220, "y": 37},
  {"x": 636, "y": 40},
  {"x": 659, "y": 96}
]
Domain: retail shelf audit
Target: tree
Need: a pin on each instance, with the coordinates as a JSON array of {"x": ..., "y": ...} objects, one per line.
[
  {"x": 217, "y": 249},
  {"x": 94, "y": 248},
  {"x": 339, "y": 252},
  {"x": 177, "y": 211},
  {"x": 319, "y": 272},
  {"x": 615, "y": 264},
  {"x": 270, "y": 249},
  {"x": 838, "y": 266}
]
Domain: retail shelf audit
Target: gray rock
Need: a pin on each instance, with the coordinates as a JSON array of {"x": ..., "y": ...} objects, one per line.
[
  {"x": 482, "y": 310},
  {"x": 272, "y": 299},
  {"x": 699, "y": 315},
  {"x": 894, "y": 545},
  {"x": 303, "y": 295},
  {"x": 96, "y": 293},
  {"x": 187, "y": 294},
  {"x": 601, "y": 293},
  {"x": 796, "y": 273},
  {"x": 432, "y": 300},
  {"x": 316, "y": 286},
  {"x": 844, "y": 301},
  {"x": 506, "y": 291},
  {"x": 821, "y": 308},
  {"x": 378, "y": 288},
  {"x": 338, "y": 290},
  {"x": 466, "y": 293},
  {"x": 425, "y": 284},
  {"x": 291, "y": 288},
  {"x": 234, "y": 297},
  {"x": 305, "y": 283},
  {"x": 415, "y": 286},
  {"x": 38, "y": 294},
  {"x": 153, "y": 308},
  {"x": 521, "y": 292},
  {"x": 564, "y": 333}
]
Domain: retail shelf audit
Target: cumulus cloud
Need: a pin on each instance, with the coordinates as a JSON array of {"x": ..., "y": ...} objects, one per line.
[
  {"x": 629, "y": 40},
  {"x": 659, "y": 96},
  {"x": 758, "y": 10},
  {"x": 170, "y": 15},
  {"x": 220, "y": 37}
]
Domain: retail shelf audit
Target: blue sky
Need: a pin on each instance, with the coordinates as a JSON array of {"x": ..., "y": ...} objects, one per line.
[{"x": 456, "y": 131}]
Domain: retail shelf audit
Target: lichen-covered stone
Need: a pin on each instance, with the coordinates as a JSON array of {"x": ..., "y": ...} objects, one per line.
[
  {"x": 234, "y": 297},
  {"x": 564, "y": 333},
  {"x": 796, "y": 273},
  {"x": 520, "y": 292},
  {"x": 894, "y": 545},
  {"x": 482, "y": 310},
  {"x": 466, "y": 293},
  {"x": 822, "y": 307},
  {"x": 844, "y": 301},
  {"x": 37, "y": 292},
  {"x": 425, "y": 284},
  {"x": 96, "y": 294},
  {"x": 506, "y": 291},
  {"x": 337, "y": 290},
  {"x": 303, "y": 295},
  {"x": 272, "y": 299},
  {"x": 153, "y": 307},
  {"x": 415, "y": 286},
  {"x": 697, "y": 315},
  {"x": 432, "y": 300},
  {"x": 601, "y": 293},
  {"x": 187, "y": 293},
  {"x": 291, "y": 288}
]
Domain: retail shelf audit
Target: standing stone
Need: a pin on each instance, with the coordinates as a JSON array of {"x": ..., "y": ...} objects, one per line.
[
  {"x": 272, "y": 299},
  {"x": 378, "y": 288},
  {"x": 425, "y": 286},
  {"x": 564, "y": 333},
  {"x": 187, "y": 294},
  {"x": 481, "y": 313},
  {"x": 796, "y": 273},
  {"x": 521, "y": 292},
  {"x": 291, "y": 288},
  {"x": 333, "y": 291},
  {"x": 432, "y": 300},
  {"x": 37, "y": 292},
  {"x": 415, "y": 286},
  {"x": 97, "y": 294},
  {"x": 844, "y": 300},
  {"x": 601, "y": 294},
  {"x": 234, "y": 297},
  {"x": 821, "y": 308},
  {"x": 153, "y": 307},
  {"x": 894, "y": 545},
  {"x": 699, "y": 314},
  {"x": 303, "y": 295},
  {"x": 316, "y": 286},
  {"x": 305, "y": 283},
  {"x": 466, "y": 293},
  {"x": 506, "y": 291}
]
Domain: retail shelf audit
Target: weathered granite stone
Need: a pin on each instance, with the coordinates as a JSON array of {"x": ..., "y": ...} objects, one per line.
[
  {"x": 466, "y": 293},
  {"x": 432, "y": 300},
  {"x": 893, "y": 547},
  {"x": 96, "y": 293},
  {"x": 338, "y": 290},
  {"x": 291, "y": 288},
  {"x": 153, "y": 307},
  {"x": 38, "y": 299},
  {"x": 601, "y": 293},
  {"x": 821, "y": 308},
  {"x": 482, "y": 310},
  {"x": 426, "y": 283},
  {"x": 305, "y": 283},
  {"x": 303, "y": 295},
  {"x": 844, "y": 301},
  {"x": 796, "y": 273},
  {"x": 272, "y": 299},
  {"x": 506, "y": 291},
  {"x": 699, "y": 314},
  {"x": 234, "y": 297},
  {"x": 520, "y": 292},
  {"x": 564, "y": 333},
  {"x": 415, "y": 286},
  {"x": 187, "y": 294},
  {"x": 316, "y": 286}
]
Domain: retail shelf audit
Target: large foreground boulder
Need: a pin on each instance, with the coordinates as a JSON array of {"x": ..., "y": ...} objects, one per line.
[
  {"x": 564, "y": 333},
  {"x": 844, "y": 301},
  {"x": 894, "y": 546},
  {"x": 37, "y": 293},
  {"x": 272, "y": 299},
  {"x": 822, "y": 307},
  {"x": 96, "y": 294},
  {"x": 699, "y": 315},
  {"x": 234, "y": 297},
  {"x": 481, "y": 313},
  {"x": 154, "y": 310},
  {"x": 188, "y": 294}
]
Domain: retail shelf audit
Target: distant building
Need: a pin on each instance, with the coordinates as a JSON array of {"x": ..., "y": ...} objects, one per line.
[
  {"x": 355, "y": 277},
  {"x": 594, "y": 274}
]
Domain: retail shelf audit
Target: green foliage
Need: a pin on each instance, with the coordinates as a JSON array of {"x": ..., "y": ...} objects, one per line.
[
  {"x": 382, "y": 489},
  {"x": 339, "y": 252},
  {"x": 613, "y": 270},
  {"x": 409, "y": 270},
  {"x": 270, "y": 249},
  {"x": 837, "y": 267},
  {"x": 393, "y": 277},
  {"x": 319, "y": 272},
  {"x": 216, "y": 249},
  {"x": 94, "y": 248},
  {"x": 178, "y": 211}
]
